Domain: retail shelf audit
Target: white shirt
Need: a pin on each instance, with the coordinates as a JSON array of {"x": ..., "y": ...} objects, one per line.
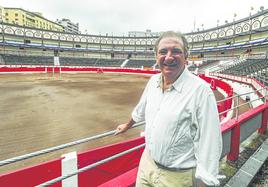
[{"x": 182, "y": 125}]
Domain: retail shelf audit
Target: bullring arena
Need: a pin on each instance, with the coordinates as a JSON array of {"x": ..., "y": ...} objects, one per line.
[{"x": 49, "y": 109}]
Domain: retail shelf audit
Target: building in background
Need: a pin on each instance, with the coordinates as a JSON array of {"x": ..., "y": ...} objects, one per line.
[
  {"x": 69, "y": 26},
  {"x": 19, "y": 16},
  {"x": 1, "y": 13},
  {"x": 148, "y": 33}
]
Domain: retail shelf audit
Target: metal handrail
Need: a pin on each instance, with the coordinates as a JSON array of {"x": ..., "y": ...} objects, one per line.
[
  {"x": 53, "y": 181},
  {"x": 227, "y": 98},
  {"x": 251, "y": 101},
  {"x": 51, "y": 149}
]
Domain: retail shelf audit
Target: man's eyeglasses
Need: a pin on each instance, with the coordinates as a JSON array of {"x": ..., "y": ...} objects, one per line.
[{"x": 174, "y": 51}]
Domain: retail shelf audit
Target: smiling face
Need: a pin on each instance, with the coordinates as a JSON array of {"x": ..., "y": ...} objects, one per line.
[{"x": 170, "y": 58}]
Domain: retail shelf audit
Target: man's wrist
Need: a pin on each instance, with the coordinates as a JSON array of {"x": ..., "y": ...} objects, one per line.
[{"x": 130, "y": 123}]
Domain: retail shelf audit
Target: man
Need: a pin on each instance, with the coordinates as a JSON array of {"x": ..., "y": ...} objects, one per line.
[{"x": 182, "y": 131}]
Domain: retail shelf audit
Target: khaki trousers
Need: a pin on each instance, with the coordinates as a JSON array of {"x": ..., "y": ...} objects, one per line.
[{"x": 149, "y": 174}]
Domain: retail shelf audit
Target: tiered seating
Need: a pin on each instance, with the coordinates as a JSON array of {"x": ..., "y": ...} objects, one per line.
[
  {"x": 73, "y": 61},
  {"x": 247, "y": 67},
  {"x": 10, "y": 59},
  {"x": 138, "y": 63},
  {"x": 254, "y": 66},
  {"x": 77, "y": 61},
  {"x": 109, "y": 62},
  {"x": 208, "y": 64}
]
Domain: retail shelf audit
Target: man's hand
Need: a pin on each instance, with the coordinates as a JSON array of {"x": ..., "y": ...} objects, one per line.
[
  {"x": 121, "y": 128},
  {"x": 124, "y": 127}
]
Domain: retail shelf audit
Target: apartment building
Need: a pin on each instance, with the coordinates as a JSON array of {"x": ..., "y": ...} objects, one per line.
[{"x": 19, "y": 16}]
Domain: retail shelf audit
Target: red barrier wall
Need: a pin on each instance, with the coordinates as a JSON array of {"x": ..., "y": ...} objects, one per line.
[
  {"x": 227, "y": 104},
  {"x": 21, "y": 69},
  {"x": 112, "y": 169},
  {"x": 32, "y": 176}
]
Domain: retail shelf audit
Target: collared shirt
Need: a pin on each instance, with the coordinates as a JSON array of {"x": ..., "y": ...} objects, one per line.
[{"x": 182, "y": 125}]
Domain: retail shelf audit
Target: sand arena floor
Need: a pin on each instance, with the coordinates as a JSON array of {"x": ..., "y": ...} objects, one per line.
[{"x": 44, "y": 110}]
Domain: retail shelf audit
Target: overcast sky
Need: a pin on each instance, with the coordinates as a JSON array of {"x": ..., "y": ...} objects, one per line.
[{"x": 117, "y": 17}]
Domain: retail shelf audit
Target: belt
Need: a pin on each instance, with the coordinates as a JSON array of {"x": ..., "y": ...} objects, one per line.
[{"x": 171, "y": 168}]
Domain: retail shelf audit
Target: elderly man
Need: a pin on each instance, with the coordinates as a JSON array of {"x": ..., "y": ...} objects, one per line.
[{"x": 182, "y": 131}]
